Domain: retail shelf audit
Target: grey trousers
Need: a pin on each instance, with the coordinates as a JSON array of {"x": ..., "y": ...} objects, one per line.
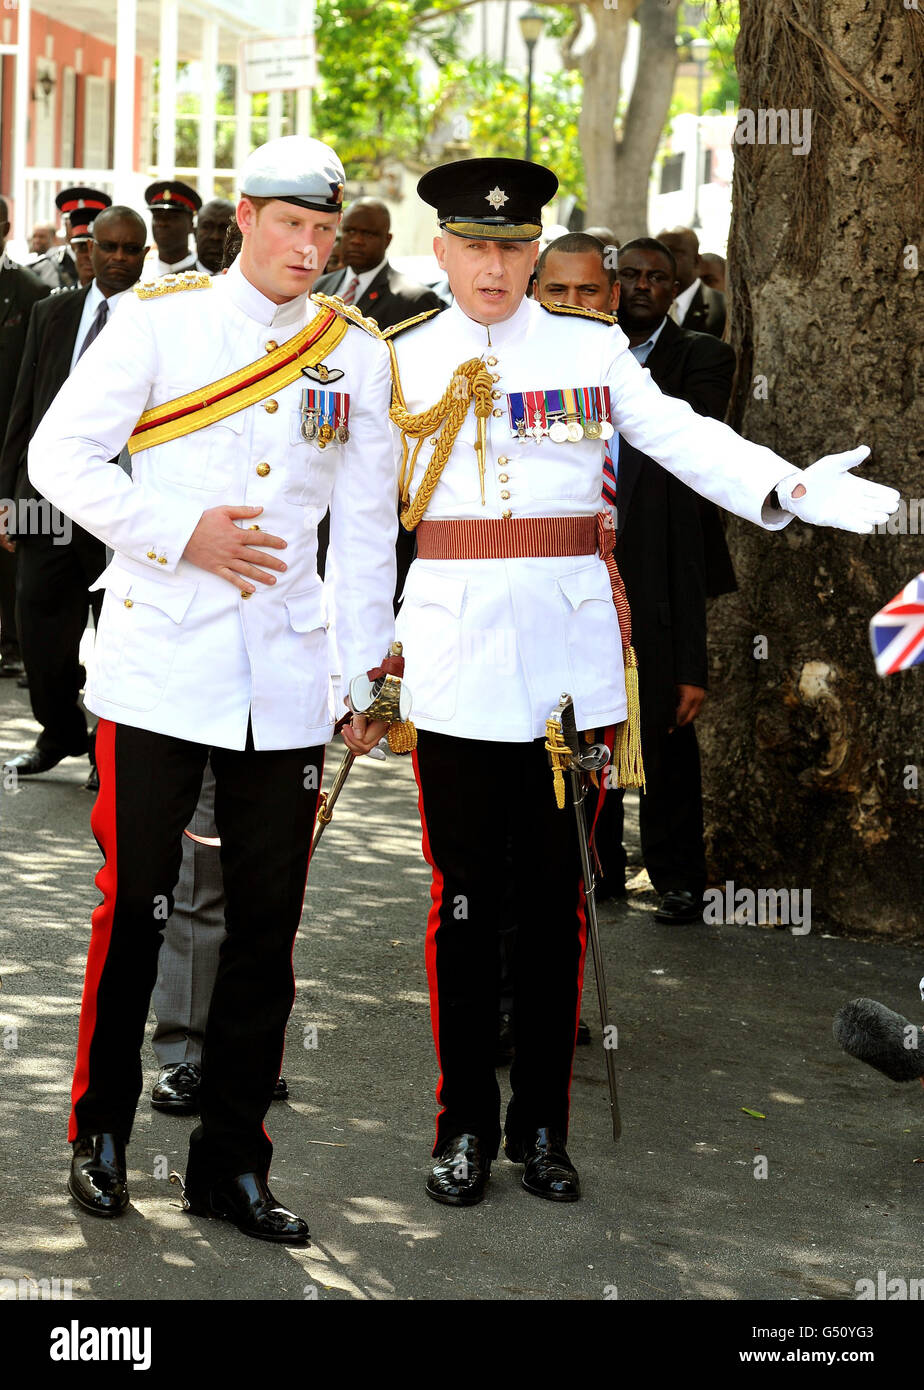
[{"x": 188, "y": 960}]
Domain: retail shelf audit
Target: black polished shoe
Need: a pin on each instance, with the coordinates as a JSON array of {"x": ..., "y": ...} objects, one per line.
[
  {"x": 247, "y": 1201},
  {"x": 33, "y": 762},
  {"x": 177, "y": 1089},
  {"x": 281, "y": 1089},
  {"x": 460, "y": 1173},
  {"x": 504, "y": 1054},
  {"x": 10, "y": 667},
  {"x": 97, "y": 1178},
  {"x": 680, "y": 906},
  {"x": 583, "y": 1034},
  {"x": 549, "y": 1171}
]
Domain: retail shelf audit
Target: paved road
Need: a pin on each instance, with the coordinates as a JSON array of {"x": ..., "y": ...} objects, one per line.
[{"x": 711, "y": 1020}]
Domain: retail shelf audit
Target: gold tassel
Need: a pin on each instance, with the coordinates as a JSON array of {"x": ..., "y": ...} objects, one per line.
[
  {"x": 627, "y": 755},
  {"x": 402, "y": 736}
]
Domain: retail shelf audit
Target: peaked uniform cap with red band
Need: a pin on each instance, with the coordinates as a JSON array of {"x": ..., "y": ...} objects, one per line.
[
  {"x": 171, "y": 195},
  {"x": 70, "y": 201},
  {"x": 490, "y": 199},
  {"x": 295, "y": 169},
  {"x": 81, "y": 223}
]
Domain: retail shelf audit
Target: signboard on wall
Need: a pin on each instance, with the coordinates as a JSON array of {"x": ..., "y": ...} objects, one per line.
[{"x": 279, "y": 65}]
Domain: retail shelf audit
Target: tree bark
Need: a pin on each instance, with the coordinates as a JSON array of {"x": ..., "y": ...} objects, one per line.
[{"x": 814, "y": 766}]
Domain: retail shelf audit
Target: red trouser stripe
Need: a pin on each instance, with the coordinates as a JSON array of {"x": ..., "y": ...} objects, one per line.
[
  {"x": 433, "y": 922},
  {"x": 103, "y": 825}
]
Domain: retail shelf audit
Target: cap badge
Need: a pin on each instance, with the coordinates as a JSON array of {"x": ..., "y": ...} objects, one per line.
[
  {"x": 166, "y": 195},
  {"x": 497, "y": 198}
]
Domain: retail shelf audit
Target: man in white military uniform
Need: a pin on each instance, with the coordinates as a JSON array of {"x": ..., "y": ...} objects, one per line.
[
  {"x": 509, "y": 604},
  {"x": 213, "y": 645}
]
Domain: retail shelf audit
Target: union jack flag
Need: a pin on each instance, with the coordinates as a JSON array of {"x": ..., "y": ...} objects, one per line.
[{"x": 897, "y": 631}]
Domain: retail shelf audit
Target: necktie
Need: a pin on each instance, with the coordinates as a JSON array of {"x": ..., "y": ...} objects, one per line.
[
  {"x": 609, "y": 471},
  {"x": 349, "y": 294},
  {"x": 96, "y": 327}
]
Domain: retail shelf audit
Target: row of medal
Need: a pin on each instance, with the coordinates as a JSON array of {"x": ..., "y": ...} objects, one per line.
[
  {"x": 564, "y": 416},
  {"x": 325, "y": 417}
]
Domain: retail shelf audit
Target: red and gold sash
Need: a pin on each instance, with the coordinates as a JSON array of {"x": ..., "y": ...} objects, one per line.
[{"x": 247, "y": 386}]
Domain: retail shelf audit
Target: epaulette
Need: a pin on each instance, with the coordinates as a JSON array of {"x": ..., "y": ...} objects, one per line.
[
  {"x": 348, "y": 312},
  {"x": 581, "y": 313},
  {"x": 170, "y": 284},
  {"x": 397, "y": 328}
]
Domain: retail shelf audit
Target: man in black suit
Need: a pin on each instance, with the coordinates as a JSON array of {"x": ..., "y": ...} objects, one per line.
[
  {"x": 57, "y": 561},
  {"x": 19, "y": 290},
  {"x": 367, "y": 280},
  {"x": 697, "y": 308},
  {"x": 669, "y": 560}
]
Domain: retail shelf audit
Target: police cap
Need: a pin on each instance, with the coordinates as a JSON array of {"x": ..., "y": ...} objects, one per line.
[{"x": 170, "y": 195}]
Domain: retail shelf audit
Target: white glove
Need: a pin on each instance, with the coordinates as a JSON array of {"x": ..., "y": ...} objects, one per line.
[{"x": 834, "y": 498}]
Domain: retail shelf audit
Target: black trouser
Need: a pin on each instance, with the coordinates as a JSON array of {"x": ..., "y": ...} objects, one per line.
[
  {"x": 52, "y": 605},
  {"x": 149, "y": 786},
  {"x": 9, "y": 641},
  {"x": 670, "y": 815},
  {"x": 474, "y": 795}
]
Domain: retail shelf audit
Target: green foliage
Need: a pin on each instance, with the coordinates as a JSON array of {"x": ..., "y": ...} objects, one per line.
[
  {"x": 721, "y": 27},
  {"x": 486, "y": 107}
]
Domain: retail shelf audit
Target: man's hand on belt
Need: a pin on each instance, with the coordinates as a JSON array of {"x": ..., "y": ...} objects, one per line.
[{"x": 226, "y": 549}]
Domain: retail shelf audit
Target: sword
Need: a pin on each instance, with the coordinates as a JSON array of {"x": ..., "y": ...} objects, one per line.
[
  {"x": 379, "y": 694},
  {"x": 568, "y": 754}
]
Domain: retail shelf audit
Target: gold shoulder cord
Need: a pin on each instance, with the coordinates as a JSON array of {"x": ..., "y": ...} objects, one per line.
[{"x": 470, "y": 379}]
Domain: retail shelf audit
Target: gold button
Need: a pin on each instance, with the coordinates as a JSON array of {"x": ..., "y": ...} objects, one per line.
[
  {"x": 497, "y": 413},
  {"x": 246, "y": 593},
  {"x": 161, "y": 559},
  {"x": 271, "y": 407},
  {"x": 495, "y": 395},
  {"x": 271, "y": 346},
  {"x": 152, "y": 554},
  {"x": 435, "y": 439},
  {"x": 502, "y": 478},
  {"x": 492, "y": 361},
  {"x": 495, "y": 376},
  {"x": 503, "y": 461},
  {"x": 262, "y": 469},
  {"x": 129, "y": 603},
  {"x": 255, "y": 527},
  {"x": 505, "y": 496},
  {"x": 505, "y": 516}
]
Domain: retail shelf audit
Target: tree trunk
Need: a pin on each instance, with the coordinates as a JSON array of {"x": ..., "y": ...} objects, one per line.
[
  {"x": 618, "y": 166},
  {"x": 814, "y": 775}
]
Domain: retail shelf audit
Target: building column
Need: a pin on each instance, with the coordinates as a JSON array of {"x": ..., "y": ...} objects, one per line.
[
  {"x": 207, "y": 104},
  {"x": 21, "y": 213},
  {"x": 124, "y": 154},
  {"x": 274, "y": 112},
  {"x": 241, "y": 124},
  {"x": 166, "y": 83}
]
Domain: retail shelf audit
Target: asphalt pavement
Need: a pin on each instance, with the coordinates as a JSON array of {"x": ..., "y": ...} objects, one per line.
[{"x": 700, "y": 1200}]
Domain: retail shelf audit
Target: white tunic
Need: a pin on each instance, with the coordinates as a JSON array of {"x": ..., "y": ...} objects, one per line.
[
  {"x": 178, "y": 650},
  {"x": 491, "y": 645}
]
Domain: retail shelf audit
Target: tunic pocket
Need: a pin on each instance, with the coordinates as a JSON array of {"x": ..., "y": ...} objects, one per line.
[
  {"x": 430, "y": 626},
  {"x": 593, "y": 638},
  {"x": 139, "y": 633}
]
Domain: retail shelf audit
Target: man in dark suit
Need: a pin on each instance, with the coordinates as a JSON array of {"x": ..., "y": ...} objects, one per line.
[
  {"x": 367, "y": 280},
  {"x": 19, "y": 290},
  {"x": 57, "y": 561},
  {"x": 697, "y": 307},
  {"x": 662, "y": 547}
]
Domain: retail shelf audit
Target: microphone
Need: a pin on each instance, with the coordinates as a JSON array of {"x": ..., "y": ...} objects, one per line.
[{"x": 874, "y": 1034}]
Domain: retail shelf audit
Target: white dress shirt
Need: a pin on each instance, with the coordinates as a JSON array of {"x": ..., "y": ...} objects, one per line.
[
  {"x": 684, "y": 300},
  {"x": 90, "y": 306},
  {"x": 365, "y": 280}
]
